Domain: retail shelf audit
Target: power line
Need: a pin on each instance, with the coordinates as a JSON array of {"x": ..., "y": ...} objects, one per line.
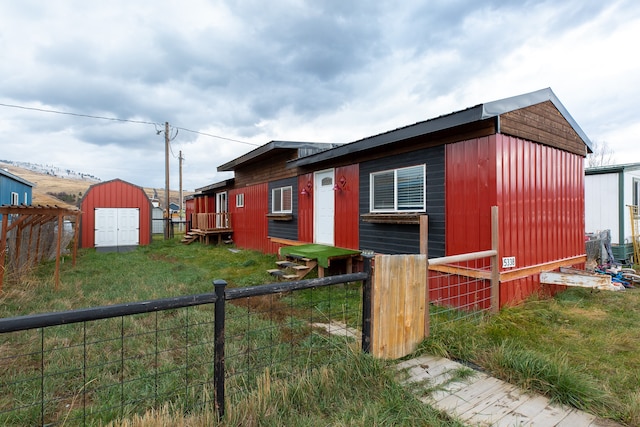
[
  {"x": 44, "y": 110},
  {"x": 217, "y": 136},
  {"x": 116, "y": 119}
]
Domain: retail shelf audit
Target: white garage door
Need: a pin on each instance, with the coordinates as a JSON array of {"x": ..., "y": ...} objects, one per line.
[{"x": 117, "y": 227}]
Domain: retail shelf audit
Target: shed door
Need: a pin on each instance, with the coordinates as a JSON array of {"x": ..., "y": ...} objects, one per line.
[
  {"x": 117, "y": 227},
  {"x": 323, "y": 208}
]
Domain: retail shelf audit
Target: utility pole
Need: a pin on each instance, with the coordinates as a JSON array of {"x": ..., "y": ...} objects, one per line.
[
  {"x": 167, "y": 222},
  {"x": 180, "y": 159}
]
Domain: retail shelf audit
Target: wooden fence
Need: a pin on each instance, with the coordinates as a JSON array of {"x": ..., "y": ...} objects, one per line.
[{"x": 400, "y": 317}]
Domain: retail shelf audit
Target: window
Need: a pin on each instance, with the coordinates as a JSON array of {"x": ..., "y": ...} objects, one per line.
[
  {"x": 281, "y": 202},
  {"x": 398, "y": 190},
  {"x": 15, "y": 198},
  {"x": 26, "y": 198},
  {"x": 636, "y": 191},
  {"x": 240, "y": 200}
]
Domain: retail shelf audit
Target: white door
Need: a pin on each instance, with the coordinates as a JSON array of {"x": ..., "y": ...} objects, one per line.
[
  {"x": 106, "y": 227},
  {"x": 222, "y": 206},
  {"x": 128, "y": 227},
  {"x": 323, "y": 208},
  {"x": 117, "y": 227}
]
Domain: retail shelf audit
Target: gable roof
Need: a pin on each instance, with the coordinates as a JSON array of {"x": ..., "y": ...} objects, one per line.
[
  {"x": 16, "y": 178},
  {"x": 305, "y": 148},
  {"x": 473, "y": 114}
]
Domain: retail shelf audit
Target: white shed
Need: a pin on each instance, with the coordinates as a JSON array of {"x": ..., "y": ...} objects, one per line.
[{"x": 608, "y": 193}]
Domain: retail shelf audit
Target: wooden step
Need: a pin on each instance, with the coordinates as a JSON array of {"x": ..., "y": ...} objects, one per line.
[
  {"x": 280, "y": 274},
  {"x": 189, "y": 238},
  {"x": 286, "y": 264}
]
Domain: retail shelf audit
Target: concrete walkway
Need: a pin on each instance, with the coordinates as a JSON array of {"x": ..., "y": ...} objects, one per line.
[{"x": 481, "y": 400}]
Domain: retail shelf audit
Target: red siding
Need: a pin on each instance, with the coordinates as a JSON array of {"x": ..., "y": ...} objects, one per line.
[
  {"x": 470, "y": 175},
  {"x": 347, "y": 214},
  {"x": 189, "y": 209},
  {"x": 114, "y": 194},
  {"x": 541, "y": 200},
  {"x": 305, "y": 208},
  {"x": 540, "y": 194},
  {"x": 250, "y": 222}
]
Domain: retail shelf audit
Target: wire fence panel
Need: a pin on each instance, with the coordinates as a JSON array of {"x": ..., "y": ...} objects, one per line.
[
  {"x": 276, "y": 336},
  {"x": 98, "y": 365},
  {"x": 460, "y": 291},
  {"x": 97, "y": 371}
]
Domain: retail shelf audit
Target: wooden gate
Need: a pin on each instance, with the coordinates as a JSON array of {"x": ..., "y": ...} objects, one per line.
[{"x": 398, "y": 304}]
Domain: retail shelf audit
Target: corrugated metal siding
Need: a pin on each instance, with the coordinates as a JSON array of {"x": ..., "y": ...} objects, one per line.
[
  {"x": 189, "y": 206},
  {"x": 250, "y": 222},
  {"x": 471, "y": 191},
  {"x": 114, "y": 194},
  {"x": 305, "y": 208},
  {"x": 540, "y": 194},
  {"x": 346, "y": 208},
  {"x": 541, "y": 202},
  {"x": 405, "y": 239}
]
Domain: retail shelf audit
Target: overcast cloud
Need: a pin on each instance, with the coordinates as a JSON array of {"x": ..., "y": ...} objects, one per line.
[{"x": 324, "y": 71}]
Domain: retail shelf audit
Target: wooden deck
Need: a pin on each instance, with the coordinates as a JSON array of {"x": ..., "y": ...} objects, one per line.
[{"x": 481, "y": 400}]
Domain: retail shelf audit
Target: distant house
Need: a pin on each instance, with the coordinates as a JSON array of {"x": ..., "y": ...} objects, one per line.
[
  {"x": 116, "y": 217},
  {"x": 609, "y": 191},
  {"x": 14, "y": 190},
  {"x": 523, "y": 154}
]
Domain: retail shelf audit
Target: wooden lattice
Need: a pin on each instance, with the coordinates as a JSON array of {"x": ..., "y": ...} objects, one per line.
[{"x": 32, "y": 234}]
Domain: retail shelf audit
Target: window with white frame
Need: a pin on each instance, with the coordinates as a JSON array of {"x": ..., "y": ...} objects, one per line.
[
  {"x": 240, "y": 200},
  {"x": 399, "y": 190},
  {"x": 15, "y": 198},
  {"x": 636, "y": 191},
  {"x": 281, "y": 200}
]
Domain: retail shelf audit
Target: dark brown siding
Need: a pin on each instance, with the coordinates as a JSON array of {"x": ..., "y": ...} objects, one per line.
[
  {"x": 266, "y": 170},
  {"x": 543, "y": 123}
]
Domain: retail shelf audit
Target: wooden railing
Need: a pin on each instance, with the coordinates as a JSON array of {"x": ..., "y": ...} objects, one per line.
[{"x": 211, "y": 221}]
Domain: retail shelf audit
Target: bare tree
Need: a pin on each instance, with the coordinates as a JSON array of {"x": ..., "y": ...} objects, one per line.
[{"x": 602, "y": 154}]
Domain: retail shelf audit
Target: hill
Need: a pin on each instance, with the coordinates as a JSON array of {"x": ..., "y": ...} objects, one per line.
[{"x": 49, "y": 188}]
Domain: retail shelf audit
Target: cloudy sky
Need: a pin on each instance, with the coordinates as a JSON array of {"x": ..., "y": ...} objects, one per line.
[{"x": 229, "y": 76}]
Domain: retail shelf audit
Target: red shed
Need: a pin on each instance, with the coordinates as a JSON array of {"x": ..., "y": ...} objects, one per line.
[{"x": 116, "y": 217}]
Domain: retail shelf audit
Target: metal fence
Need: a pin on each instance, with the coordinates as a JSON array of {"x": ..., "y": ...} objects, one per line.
[
  {"x": 462, "y": 290},
  {"x": 92, "y": 366}
]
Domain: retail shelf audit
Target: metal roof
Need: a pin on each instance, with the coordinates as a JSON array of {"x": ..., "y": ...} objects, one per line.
[
  {"x": 16, "y": 178},
  {"x": 274, "y": 145},
  {"x": 221, "y": 184},
  {"x": 595, "y": 170},
  {"x": 458, "y": 118}
]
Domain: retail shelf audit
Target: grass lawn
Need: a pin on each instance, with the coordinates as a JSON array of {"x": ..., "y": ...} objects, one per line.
[{"x": 581, "y": 347}]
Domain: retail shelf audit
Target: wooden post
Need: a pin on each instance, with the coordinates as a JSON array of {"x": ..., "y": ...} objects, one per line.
[
  {"x": 3, "y": 247},
  {"x": 424, "y": 250},
  {"x": 495, "y": 265},
  {"x": 58, "y": 250},
  {"x": 76, "y": 236}
]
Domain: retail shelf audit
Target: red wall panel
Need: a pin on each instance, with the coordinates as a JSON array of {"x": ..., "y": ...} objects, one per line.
[
  {"x": 250, "y": 226},
  {"x": 305, "y": 207},
  {"x": 470, "y": 185},
  {"x": 114, "y": 194},
  {"x": 347, "y": 215},
  {"x": 539, "y": 191}
]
